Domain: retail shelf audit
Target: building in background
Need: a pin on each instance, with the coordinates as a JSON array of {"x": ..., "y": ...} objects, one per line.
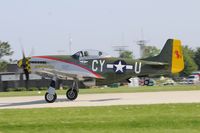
[{"x": 14, "y": 78}]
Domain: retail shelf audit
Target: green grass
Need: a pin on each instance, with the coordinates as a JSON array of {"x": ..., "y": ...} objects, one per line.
[
  {"x": 106, "y": 90},
  {"x": 169, "y": 118}
]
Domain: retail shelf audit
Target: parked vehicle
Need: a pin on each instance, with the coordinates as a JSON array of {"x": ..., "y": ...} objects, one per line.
[
  {"x": 193, "y": 79},
  {"x": 146, "y": 82},
  {"x": 197, "y": 73},
  {"x": 169, "y": 82}
]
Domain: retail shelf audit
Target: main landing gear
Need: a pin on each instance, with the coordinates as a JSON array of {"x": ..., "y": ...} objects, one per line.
[
  {"x": 71, "y": 94},
  {"x": 51, "y": 95}
]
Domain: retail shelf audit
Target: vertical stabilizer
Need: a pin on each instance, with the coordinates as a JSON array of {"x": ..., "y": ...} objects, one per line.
[{"x": 172, "y": 54}]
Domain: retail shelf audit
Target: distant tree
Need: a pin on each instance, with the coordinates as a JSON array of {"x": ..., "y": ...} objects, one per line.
[
  {"x": 5, "y": 50},
  {"x": 150, "y": 51},
  {"x": 3, "y": 65},
  {"x": 197, "y": 57},
  {"x": 126, "y": 54},
  {"x": 189, "y": 51},
  {"x": 190, "y": 64}
]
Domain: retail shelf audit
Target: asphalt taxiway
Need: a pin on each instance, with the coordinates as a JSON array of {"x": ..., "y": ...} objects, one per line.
[{"x": 103, "y": 99}]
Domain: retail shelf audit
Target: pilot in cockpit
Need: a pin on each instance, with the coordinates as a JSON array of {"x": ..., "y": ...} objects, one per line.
[
  {"x": 86, "y": 53},
  {"x": 100, "y": 53},
  {"x": 89, "y": 55}
]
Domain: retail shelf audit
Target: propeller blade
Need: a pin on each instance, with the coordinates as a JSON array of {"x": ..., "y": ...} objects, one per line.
[
  {"x": 32, "y": 52},
  {"x": 23, "y": 53},
  {"x": 25, "y": 65},
  {"x": 26, "y": 74}
]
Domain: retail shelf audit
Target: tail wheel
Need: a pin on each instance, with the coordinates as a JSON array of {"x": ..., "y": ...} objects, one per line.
[
  {"x": 50, "y": 98},
  {"x": 72, "y": 94}
]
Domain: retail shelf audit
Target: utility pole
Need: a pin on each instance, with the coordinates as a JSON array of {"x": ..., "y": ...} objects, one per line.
[
  {"x": 142, "y": 43},
  {"x": 120, "y": 48}
]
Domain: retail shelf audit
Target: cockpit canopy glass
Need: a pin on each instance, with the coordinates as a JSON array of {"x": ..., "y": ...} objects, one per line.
[{"x": 90, "y": 54}]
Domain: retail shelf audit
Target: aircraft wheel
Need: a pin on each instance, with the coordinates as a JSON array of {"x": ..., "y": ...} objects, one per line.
[
  {"x": 146, "y": 82},
  {"x": 50, "y": 98},
  {"x": 72, "y": 94}
]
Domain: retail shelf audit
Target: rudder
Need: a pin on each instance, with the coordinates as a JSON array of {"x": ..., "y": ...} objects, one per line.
[
  {"x": 171, "y": 54},
  {"x": 177, "y": 57}
]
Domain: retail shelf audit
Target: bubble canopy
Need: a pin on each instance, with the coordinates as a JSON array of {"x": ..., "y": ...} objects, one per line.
[{"x": 90, "y": 54}]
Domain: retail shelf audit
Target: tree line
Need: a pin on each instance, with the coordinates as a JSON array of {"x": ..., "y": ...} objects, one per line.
[{"x": 191, "y": 56}]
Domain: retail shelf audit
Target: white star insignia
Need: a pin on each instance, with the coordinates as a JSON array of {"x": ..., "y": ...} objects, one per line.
[{"x": 119, "y": 67}]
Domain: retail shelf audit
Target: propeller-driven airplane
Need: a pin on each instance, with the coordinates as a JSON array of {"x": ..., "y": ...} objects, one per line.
[{"x": 97, "y": 68}]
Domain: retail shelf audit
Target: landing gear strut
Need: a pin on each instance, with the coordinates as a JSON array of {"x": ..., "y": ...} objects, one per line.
[
  {"x": 72, "y": 93},
  {"x": 51, "y": 95}
]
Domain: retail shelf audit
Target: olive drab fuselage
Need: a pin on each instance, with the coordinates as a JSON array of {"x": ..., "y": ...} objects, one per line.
[{"x": 104, "y": 70}]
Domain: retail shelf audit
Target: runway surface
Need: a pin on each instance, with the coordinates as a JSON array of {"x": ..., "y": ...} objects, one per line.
[{"x": 103, "y": 99}]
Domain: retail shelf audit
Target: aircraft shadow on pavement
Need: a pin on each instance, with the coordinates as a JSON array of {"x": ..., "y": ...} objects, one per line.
[
  {"x": 34, "y": 102},
  {"x": 37, "y": 102},
  {"x": 105, "y": 100}
]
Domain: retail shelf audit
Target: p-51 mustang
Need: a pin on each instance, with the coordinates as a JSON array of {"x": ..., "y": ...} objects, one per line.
[{"x": 97, "y": 68}]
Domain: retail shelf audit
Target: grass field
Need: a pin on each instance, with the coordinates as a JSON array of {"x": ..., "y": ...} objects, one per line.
[
  {"x": 106, "y": 90},
  {"x": 172, "y": 118}
]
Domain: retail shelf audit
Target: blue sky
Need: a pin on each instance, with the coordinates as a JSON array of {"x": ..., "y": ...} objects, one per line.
[{"x": 45, "y": 25}]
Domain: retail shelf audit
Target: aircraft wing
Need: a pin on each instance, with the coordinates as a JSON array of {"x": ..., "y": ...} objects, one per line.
[{"x": 65, "y": 75}]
